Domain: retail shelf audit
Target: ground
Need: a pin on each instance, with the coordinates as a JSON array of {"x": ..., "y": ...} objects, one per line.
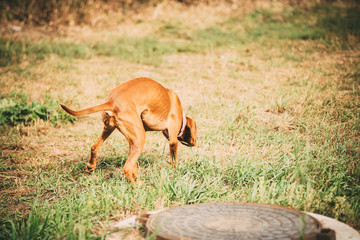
[{"x": 273, "y": 87}]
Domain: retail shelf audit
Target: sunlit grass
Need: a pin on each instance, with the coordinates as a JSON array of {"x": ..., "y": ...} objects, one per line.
[{"x": 275, "y": 96}]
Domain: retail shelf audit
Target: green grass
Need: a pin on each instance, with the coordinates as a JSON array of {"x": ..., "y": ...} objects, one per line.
[
  {"x": 276, "y": 100},
  {"x": 332, "y": 25},
  {"x": 16, "y": 110},
  {"x": 14, "y": 52}
]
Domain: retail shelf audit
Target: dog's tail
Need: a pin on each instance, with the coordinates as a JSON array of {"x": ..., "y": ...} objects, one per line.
[{"x": 102, "y": 107}]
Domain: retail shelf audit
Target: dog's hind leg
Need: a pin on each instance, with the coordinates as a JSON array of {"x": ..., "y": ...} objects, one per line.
[
  {"x": 131, "y": 126},
  {"x": 90, "y": 167},
  {"x": 108, "y": 129}
]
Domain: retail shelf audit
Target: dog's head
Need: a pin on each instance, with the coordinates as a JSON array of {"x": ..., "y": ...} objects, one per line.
[{"x": 189, "y": 136}]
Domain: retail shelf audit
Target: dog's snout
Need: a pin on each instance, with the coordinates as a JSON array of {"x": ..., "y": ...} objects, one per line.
[{"x": 193, "y": 143}]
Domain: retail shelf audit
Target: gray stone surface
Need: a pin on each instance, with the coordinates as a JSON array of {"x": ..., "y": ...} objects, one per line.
[{"x": 231, "y": 221}]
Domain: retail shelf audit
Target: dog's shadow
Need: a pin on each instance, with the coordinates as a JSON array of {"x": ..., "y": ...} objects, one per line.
[
  {"x": 117, "y": 162},
  {"x": 111, "y": 163}
]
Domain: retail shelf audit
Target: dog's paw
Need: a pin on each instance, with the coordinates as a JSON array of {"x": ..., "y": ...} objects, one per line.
[{"x": 89, "y": 168}]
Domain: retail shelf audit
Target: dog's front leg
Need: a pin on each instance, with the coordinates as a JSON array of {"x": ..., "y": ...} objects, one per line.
[
  {"x": 173, "y": 153},
  {"x": 173, "y": 145}
]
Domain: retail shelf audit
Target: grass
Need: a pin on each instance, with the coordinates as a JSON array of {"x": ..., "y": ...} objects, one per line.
[
  {"x": 333, "y": 27},
  {"x": 275, "y": 95},
  {"x": 16, "y": 110}
]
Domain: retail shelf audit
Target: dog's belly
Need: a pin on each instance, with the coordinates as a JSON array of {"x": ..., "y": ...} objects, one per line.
[{"x": 153, "y": 122}]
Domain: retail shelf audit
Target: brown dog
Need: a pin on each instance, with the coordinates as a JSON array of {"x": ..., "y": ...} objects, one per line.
[{"x": 137, "y": 106}]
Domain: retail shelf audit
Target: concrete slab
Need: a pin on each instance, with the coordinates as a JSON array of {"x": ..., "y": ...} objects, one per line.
[{"x": 342, "y": 231}]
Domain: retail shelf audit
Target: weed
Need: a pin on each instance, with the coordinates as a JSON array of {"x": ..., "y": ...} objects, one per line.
[{"x": 13, "y": 112}]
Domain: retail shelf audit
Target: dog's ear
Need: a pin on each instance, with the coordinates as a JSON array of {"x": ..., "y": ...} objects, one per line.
[
  {"x": 189, "y": 136},
  {"x": 191, "y": 124}
]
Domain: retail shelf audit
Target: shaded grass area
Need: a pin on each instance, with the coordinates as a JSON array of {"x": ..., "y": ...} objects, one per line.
[
  {"x": 81, "y": 11},
  {"x": 336, "y": 27},
  {"x": 310, "y": 162}
]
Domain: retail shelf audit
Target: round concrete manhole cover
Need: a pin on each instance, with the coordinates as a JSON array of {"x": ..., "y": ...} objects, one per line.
[{"x": 231, "y": 221}]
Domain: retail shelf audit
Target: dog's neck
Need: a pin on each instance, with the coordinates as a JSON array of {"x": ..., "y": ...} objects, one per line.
[{"x": 183, "y": 125}]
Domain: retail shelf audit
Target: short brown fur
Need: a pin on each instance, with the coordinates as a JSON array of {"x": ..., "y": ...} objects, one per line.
[{"x": 137, "y": 106}]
